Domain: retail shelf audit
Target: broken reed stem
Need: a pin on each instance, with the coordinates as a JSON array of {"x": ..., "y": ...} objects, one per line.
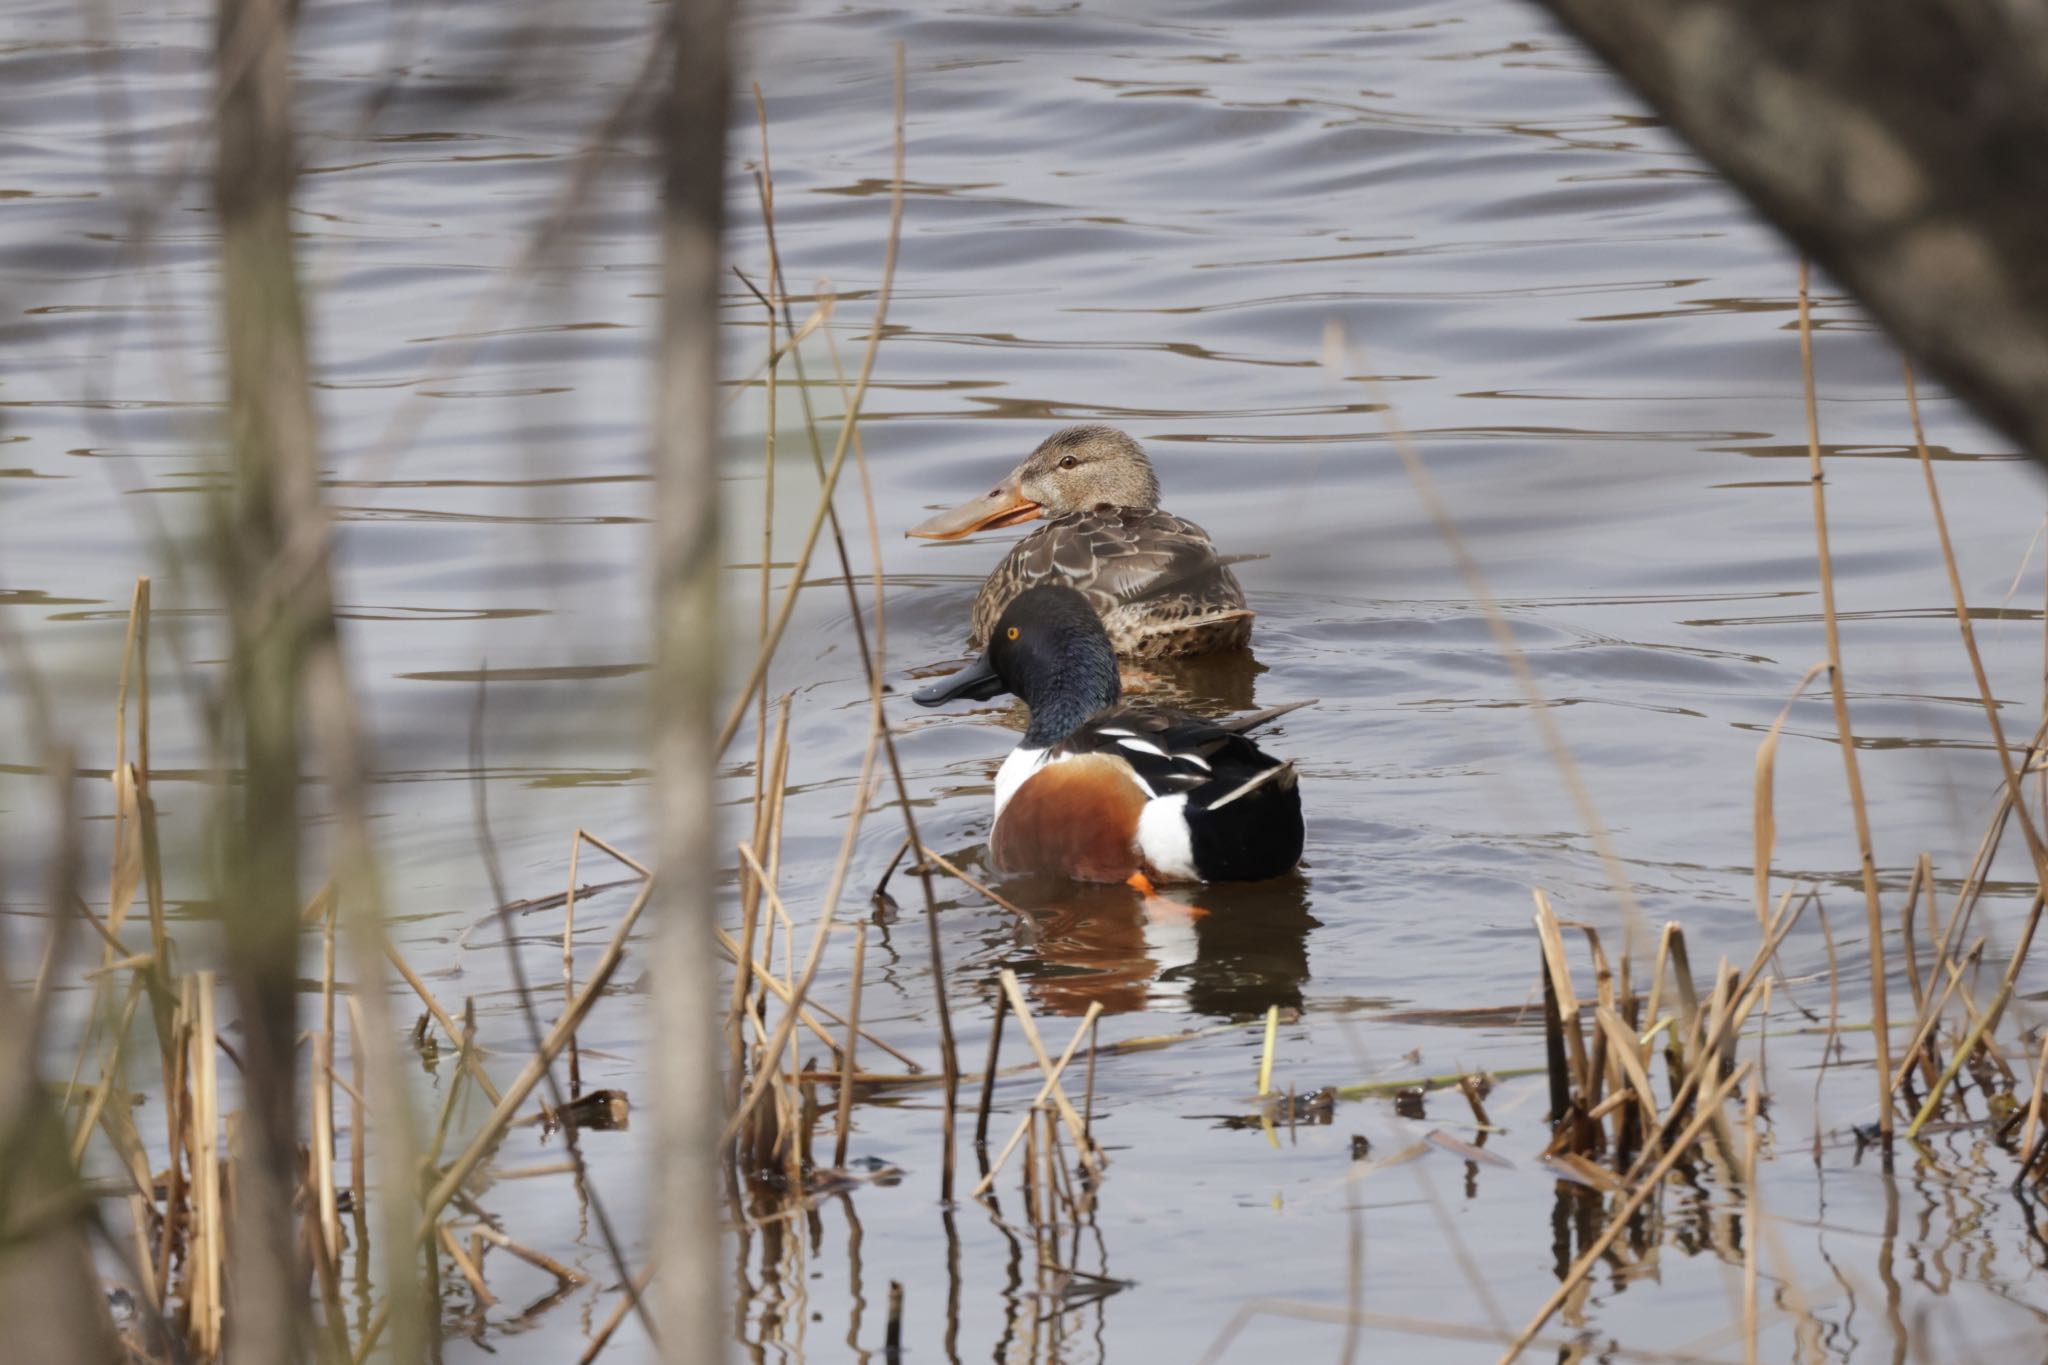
[
  {"x": 1752, "y": 1204},
  {"x": 846, "y": 1060},
  {"x": 1852, "y": 771},
  {"x": 1930, "y": 1020},
  {"x": 785, "y": 1026},
  {"x": 776, "y": 987},
  {"x": 569, "y": 958},
  {"x": 1618, "y": 1221},
  {"x": 604, "y": 1334},
  {"x": 945, "y": 865},
  {"x": 357, "y": 1119},
  {"x": 988, "y": 1071},
  {"x": 2029, "y": 1134},
  {"x": 472, "y": 1060},
  {"x": 1049, "y": 1086},
  {"x": 1266, "y": 1053},
  {"x": 566, "y": 1274},
  {"x": 459, "y": 1171},
  {"x": 745, "y": 967},
  {"x": 206, "y": 1307},
  {"x": 484, "y": 1297},
  {"x": 1088, "y": 1093},
  {"x": 323, "y": 1146}
]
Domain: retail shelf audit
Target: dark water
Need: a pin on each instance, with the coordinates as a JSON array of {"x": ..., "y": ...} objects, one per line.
[{"x": 1150, "y": 216}]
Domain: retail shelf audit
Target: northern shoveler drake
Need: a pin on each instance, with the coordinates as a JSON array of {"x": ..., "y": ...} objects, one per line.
[
  {"x": 1100, "y": 792},
  {"x": 1154, "y": 578}
]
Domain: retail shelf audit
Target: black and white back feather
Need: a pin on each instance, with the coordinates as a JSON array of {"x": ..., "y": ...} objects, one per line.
[{"x": 1243, "y": 805}]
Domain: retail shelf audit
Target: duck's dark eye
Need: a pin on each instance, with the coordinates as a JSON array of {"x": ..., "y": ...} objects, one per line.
[
  {"x": 1069, "y": 462},
  {"x": 1011, "y": 632}
]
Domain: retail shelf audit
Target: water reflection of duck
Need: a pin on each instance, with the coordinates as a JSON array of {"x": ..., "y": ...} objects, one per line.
[
  {"x": 1103, "y": 793},
  {"x": 1154, "y": 578},
  {"x": 1245, "y": 949}
]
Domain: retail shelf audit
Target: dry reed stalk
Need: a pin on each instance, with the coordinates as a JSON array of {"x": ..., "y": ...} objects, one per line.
[
  {"x": 771, "y": 983},
  {"x": 1765, "y": 823},
  {"x": 1832, "y": 1043},
  {"x": 1266, "y": 1051},
  {"x": 566, "y": 1274},
  {"x": 139, "y": 1210},
  {"x": 1626, "y": 1049},
  {"x": 1921, "y": 881},
  {"x": 847, "y": 426},
  {"x": 1552, "y": 939},
  {"x": 1050, "y": 1087},
  {"x": 1944, "y": 935},
  {"x": 690, "y": 128},
  {"x": 602, "y": 1337},
  {"x": 1088, "y": 1093},
  {"x": 472, "y": 1057},
  {"x": 358, "y": 1122},
  {"x": 765, "y": 818},
  {"x": 785, "y": 1026},
  {"x": 1336, "y": 348},
  {"x": 177, "y": 1104},
  {"x": 988, "y": 1071},
  {"x": 332, "y": 1327},
  {"x": 329, "y": 1225},
  {"x": 1930, "y": 1020},
  {"x": 1752, "y": 1215},
  {"x": 452, "y": 1096},
  {"x": 1852, "y": 771},
  {"x": 949, "y": 1055},
  {"x": 569, "y": 957},
  {"x": 1978, "y": 1034},
  {"x": 2033, "y": 1125},
  {"x": 844, "y": 1124},
  {"x": 459, "y": 1171},
  {"x": 2035, "y": 848},
  {"x": 1712, "y": 1042},
  {"x": 109, "y": 1066},
  {"x": 1618, "y": 1220},
  {"x": 204, "y": 1254},
  {"x": 468, "y": 1268},
  {"x": 939, "y": 860}
]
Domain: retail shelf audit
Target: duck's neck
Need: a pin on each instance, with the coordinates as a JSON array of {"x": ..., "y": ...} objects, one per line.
[{"x": 1065, "y": 700}]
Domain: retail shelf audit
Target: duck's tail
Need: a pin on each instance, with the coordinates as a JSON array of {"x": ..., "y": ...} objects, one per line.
[{"x": 1252, "y": 720}]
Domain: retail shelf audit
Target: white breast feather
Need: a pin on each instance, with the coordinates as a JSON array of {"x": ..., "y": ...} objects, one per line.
[
  {"x": 1164, "y": 837},
  {"x": 1021, "y": 764}
]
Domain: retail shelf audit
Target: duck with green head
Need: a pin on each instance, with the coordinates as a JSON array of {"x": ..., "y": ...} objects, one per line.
[
  {"x": 1102, "y": 792},
  {"x": 1155, "y": 579}
]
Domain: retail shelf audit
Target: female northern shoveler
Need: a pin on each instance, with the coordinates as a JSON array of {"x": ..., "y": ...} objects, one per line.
[
  {"x": 1153, "y": 577},
  {"x": 1099, "y": 792}
]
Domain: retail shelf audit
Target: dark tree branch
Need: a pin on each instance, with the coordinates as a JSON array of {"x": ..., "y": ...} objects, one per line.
[{"x": 1902, "y": 145}]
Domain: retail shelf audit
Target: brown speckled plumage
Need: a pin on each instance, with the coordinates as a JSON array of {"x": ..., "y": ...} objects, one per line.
[
  {"x": 1151, "y": 576},
  {"x": 1154, "y": 578}
]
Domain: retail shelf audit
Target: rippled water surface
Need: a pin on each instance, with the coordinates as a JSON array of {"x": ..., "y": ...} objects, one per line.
[{"x": 1260, "y": 239}]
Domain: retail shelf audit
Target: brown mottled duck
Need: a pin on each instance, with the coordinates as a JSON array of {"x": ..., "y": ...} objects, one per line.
[{"x": 1155, "y": 579}]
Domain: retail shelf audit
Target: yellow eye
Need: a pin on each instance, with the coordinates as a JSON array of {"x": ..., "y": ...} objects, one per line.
[{"x": 1012, "y": 632}]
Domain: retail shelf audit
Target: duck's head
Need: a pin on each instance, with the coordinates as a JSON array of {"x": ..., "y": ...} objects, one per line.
[
  {"x": 1072, "y": 471},
  {"x": 1050, "y": 649}
]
